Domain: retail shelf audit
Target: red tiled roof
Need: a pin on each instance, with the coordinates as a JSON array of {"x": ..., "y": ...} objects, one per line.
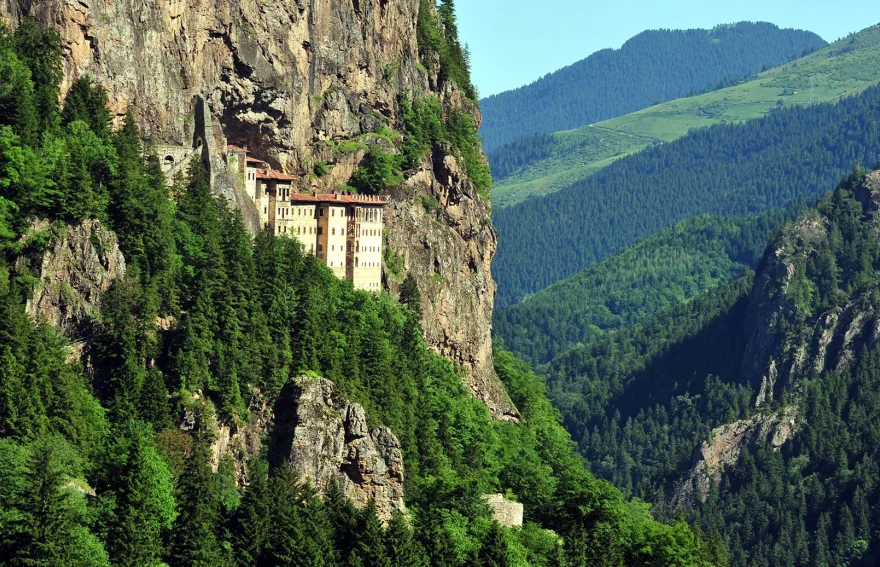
[
  {"x": 276, "y": 175},
  {"x": 254, "y": 160},
  {"x": 234, "y": 148},
  {"x": 338, "y": 198}
]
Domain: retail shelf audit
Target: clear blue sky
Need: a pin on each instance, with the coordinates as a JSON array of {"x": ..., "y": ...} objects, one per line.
[{"x": 514, "y": 42}]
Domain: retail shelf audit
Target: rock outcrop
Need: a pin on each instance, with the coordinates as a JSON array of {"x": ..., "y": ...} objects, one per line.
[
  {"x": 292, "y": 81},
  {"x": 440, "y": 228},
  {"x": 723, "y": 449},
  {"x": 79, "y": 264},
  {"x": 326, "y": 439},
  {"x": 776, "y": 358},
  {"x": 786, "y": 343}
]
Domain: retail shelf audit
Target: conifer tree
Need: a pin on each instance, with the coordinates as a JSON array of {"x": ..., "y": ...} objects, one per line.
[
  {"x": 371, "y": 546},
  {"x": 143, "y": 498},
  {"x": 410, "y": 295},
  {"x": 403, "y": 550},
  {"x": 39, "y": 48},
  {"x": 253, "y": 523},
  {"x": 494, "y": 552},
  {"x": 196, "y": 542},
  {"x": 86, "y": 101}
]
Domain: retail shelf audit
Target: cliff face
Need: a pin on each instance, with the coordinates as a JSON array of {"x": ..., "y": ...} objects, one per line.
[
  {"x": 785, "y": 344},
  {"x": 776, "y": 358},
  {"x": 80, "y": 262},
  {"x": 325, "y": 439},
  {"x": 723, "y": 449},
  {"x": 292, "y": 80}
]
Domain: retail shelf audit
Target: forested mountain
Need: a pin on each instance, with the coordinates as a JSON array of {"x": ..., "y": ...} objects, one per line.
[
  {"x": 109, "y": 445},
  {"x": 675, "y": 265},
  {"x": 733, "y": 169},
  {"x": 776, "y": 373},
  {"x": 652, "y": 67},
  {"x": 544, "y": 163}
]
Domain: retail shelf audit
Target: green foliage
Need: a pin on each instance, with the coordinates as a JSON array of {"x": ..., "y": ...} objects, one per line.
[
  {"x": 87, "y": 101},
  {"x": 382, "y": 170},
  {"x": 426, "y": 127},
  {"x": 652, "y": 67},
  {"x": 640, "y": 400},
  {"x": 736, "y": 169},
  {"x": 423, "y": 127},
  {"x": 410, "y": 296},
  {"x": 207, "y": 323},
  {"x": 320, "y": 169}
]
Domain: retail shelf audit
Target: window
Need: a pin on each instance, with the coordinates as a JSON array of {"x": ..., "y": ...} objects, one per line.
[
  {"x": 321, "y": 213},
  {"x": 333, "y": 212},
  {"x": 343, "y": 231},
  {"x": 333, "y": 231},
  {"x": 320, "y": 230}
]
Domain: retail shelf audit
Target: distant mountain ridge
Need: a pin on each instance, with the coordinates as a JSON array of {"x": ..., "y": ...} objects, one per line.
[
  {"x": 652, "y": 67},
  {"x": 540, "y": 164},
  {"x": 728, "y": 169}
]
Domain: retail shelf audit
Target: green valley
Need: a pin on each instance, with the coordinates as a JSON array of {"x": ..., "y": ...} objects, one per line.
[
  {"x": 841, "y": 69},
  {"x": 673, "y": 266}
]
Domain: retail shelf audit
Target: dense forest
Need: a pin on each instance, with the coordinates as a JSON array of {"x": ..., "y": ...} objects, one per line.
[
  {"x": 96, "y": 468},
  {"x": 734, "y": 169},
  {"x": 673, "y": 266},
  {"x": 639, "y": 401},
  {"x": 652, "y": 67}
]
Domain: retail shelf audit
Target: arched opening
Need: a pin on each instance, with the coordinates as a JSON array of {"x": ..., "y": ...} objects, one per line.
[
  {"x": 168, "y": 161},
  {"x": 355, "y": 262}
]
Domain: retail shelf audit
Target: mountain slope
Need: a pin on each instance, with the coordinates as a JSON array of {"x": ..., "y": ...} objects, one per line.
[
  {"x": 673, "y": 266},
  {"x": 653, "y": 66},
  {"x": 554, "y": 161},
  {"x": 751, "y": 407},
  {"x": 222, "y": 399},
  {"x": 730, "y": 169}
]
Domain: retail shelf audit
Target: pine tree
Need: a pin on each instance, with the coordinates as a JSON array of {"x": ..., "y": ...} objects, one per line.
[
  {"x": 87, "y": 101},
  {"x": 196, "y": 542},
  {"x": 39, "y": 48},
  {"x": 410, "y": 295},
  {"x": 144, "y": 501},
  {"x": 494, "y": 552},
  {"x": 371, "y": 547},
  {"x": 253, "y": 523},
  {"x": 403, "y": 551}
]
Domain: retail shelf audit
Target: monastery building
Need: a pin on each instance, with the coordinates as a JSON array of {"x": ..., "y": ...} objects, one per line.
[{"x": 344, "y": 230}]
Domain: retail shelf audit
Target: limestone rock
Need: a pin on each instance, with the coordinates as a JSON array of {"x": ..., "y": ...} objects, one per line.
[
  {"x": 723, "y": 450},
  {"x": 450, "y": 259},
  {"x": 325, "y": 439},
  {"x": 78, "y": 266}
]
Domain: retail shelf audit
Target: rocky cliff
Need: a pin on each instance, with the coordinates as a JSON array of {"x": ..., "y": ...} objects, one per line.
[
  {"x": 292, "y": 80},
  {"x": 325, "y": 439},
  {"x": 723, "y": 449},
  {"x": 74, "y": 266},
  {"x": 787, "y": 340}
]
